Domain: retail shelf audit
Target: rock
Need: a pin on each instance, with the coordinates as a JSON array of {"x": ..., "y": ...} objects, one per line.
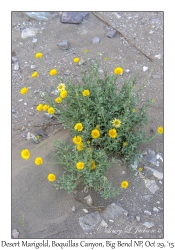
[
  {"x": 14, "y": 59},
  {"x": 111, "y": 33},
  {"x": 85, "y": 210},
  {"x": 113, "y": 211},
  {"x": 63, "y": 45},
  {"x": 96, "y": 40},
  {"x": 148, "y": 197},
  {"x": 88, "y": 200},
  {"x": 151, "y": 185},
  {"x": 127, "y": 70},
  {"x": 73, "y": 17},
  {"x": 100, "y": 71},
  {"x": 25, "y": 103},
  {"x": 33, "y": 67},
  {"x": 15, "y": 233},
  {"x": 73, "y": 208},
  {"x": 20, "y": 100},
  {"x": 156, "y": 173},
  {"x": 103, "y": 224},
  {"x": 158, "y": 56},
  {"x": 28, "y": 32},
  {"x": 155, "y": 209},
  {"x": 16, "y": 66},
  {"x": 151, "y": 32},
  {"x": 47, "y": 115},
  {"x": 145, "y": 68},
  {"x": 147, "y": 212},
  {"x": 135, "y": 165},
  {"x": 138, "y": 218},
  {"x": 82, "y": 61},
  {"x": 160, "y": 182},
  {"x": 31, "y": 136},
  {"x": 90, "y": 221},
  {"x": 159, "y": 157},
  {"x": 34, "y": 40},
  {"x": 151, "y": 157},
  {"x": 13, "y": 111},
  {"x": 67, "y": 72},
  {"x": 117, "y": 15},
  {"x": 148, "y": 224},
  {"x": 40, "y": 16},
  {"x": 41, "y": 133}
]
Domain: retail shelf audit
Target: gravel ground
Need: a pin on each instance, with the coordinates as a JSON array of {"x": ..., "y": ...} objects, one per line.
[{"x": 40, "y": 211}]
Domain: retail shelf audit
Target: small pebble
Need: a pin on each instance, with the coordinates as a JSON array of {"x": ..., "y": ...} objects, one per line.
[
  {"x": 34, "y": 40},
  {"x": 13, "y": 111},
  {"x": 85, "y": 210},
  {"x": 33, "y": 66},
  {"x": 148, "y": 224},
  {"x": 14, "y": 59},
  {"x": 138, "y": 218},
  {"x": 96, "y": 40},
  {"x": 20, "y": 100},
  {"x": 145, "y": 68},
  {"x": 103, "y": 224},
  {"x": 25, "y": 104},
  {"x": 158, "y": 56},
  {"x": 155, "y": 209},
  {"x": 67, "y": 72},
  {"x": 151, "y": 32},
  {"x": 16, "y": 66},
  {"x": 147, "y": 212},
  {"x": 127, "y": 70},
  {"x": 73, "y": 208},
  {"x": 111, "y": 221}
]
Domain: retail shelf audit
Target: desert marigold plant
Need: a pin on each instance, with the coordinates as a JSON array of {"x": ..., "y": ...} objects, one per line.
[{"x": 106, "y": 122}]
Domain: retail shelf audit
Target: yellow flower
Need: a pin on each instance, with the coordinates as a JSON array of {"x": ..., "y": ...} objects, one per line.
[
  {"x": 24, "y": 91},
  {"x": 80, "y": 165},
  {"x": 39, "y": 107},
  {"x": 160, "y": 130},
  {"x": 63, "y": 94},
  {"x": 140, "y": 169},
  {"x": 53, "y": 72},
  {"x": 58, "y": 99},
  {"x": 86, "y": 51},
  {"x": 95, "y": 133},
  {"x": 38, "y": 161},
  {"x": 118, "y": 71},
  {"x": 125, "y": 144},
  {"x": 112, "y": 133},
  {"x": 88, "y": 142},
  {"x": 51, "y": 177},
  {"x": 133, "y": 110},
  {"x": 78, "y": 126},
  {"x": 51, "y": 110},
  {"x": 86, "y": 92},
  {"x": 124, "y": 184},
  {"x": 153, "y": 100},
  {"x": 45, "y": 107},
  {"x": 116, "y": 123},
  {"x": 61, "y": 87},
  {"x": 77, "y": 139},
  {"x": 25, "y": 154},
  {"x": 80, "y": 146},
  {"x": 38, "y": 55},
  {"x": 93, "y": 165},
  {"x": 106, "y": 58},
  {"x": 37, "y": 136},
  {"x": 34, "y": 74},
  {"x": 76, "y": 60}
]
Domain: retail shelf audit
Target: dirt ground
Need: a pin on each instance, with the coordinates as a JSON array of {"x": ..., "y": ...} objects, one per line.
[{"x": 38, "y": 209}]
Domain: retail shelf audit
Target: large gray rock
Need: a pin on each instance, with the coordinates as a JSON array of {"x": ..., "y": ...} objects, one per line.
[
  {"x": 28, "y": 32},
  {"x": 151, "y": 185},
  {"x": 151, "y": 157},
  {"x": 73, "y": 17},
  {"x": 156, "y": 173},
  {"x": 113, "y": 211},
  {"x": 90, "y": 221}
]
